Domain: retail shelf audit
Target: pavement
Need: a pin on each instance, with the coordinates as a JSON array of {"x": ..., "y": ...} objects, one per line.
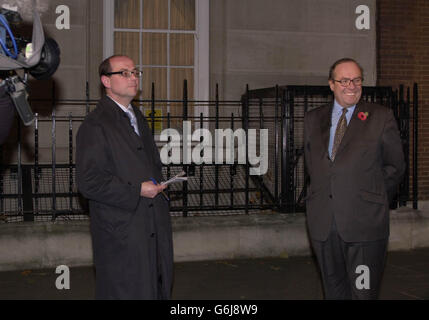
[{"x": 406, "y": 277}]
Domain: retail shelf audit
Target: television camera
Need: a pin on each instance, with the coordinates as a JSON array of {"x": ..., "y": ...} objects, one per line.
[{"x": 39, "y": 57}]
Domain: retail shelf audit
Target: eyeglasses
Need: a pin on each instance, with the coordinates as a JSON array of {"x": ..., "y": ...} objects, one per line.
[
  {"x": 126, "y": 73},
  {"x": 346, "y": 82}
]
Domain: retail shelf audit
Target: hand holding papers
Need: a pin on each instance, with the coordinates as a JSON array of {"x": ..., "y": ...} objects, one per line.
[
  {"x": 178, "y": 178},
  {"x": 165, "y": 195}
]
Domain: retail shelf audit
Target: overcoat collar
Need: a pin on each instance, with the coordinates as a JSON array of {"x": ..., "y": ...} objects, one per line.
[{"x": 122, "y": 122}]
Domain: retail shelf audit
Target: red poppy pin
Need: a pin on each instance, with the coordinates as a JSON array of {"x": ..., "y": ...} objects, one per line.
[{"x": 363, "y": 115}]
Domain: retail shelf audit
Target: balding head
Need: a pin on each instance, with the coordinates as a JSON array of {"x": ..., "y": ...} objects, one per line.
[{"x": 120, "y": 88}]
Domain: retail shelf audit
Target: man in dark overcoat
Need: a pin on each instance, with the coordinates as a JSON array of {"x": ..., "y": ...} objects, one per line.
[
  {"x": 354, "y": 157},
  {"x": 130, "y": 224}
]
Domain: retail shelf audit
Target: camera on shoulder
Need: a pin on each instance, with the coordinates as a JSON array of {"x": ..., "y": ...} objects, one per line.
[{"x": 37, "y": 56}]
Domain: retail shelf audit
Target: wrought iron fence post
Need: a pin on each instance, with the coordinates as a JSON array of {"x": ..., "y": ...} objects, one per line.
[
  {"x": 246, "y": 130},
  {"x": 306, "y": 178},
  {"x": 169, "y": 155},
  {"x": 185, "y": 166},
  {"x": 404, "y": 134},
  {"x": 291, "y": 156},
  {"x": 201, "y": 167},
  {"x": 70, "y": 162},
  {"x": 276, "y": 149},
  {"x": 53, "y": 135},
  {"x": 36, "y": 163},
  {"x": 232, "y": 168},
  {"x": 19, "y": 168},
  {"x": 152, "y": 108},
  {"x": 415, "y": 144},
  {"x": 261, "y": 126},
  {"x": 405, "y": 194},
  {"x": 217, "y": 127},
  {"x": 285, "y": 156}
]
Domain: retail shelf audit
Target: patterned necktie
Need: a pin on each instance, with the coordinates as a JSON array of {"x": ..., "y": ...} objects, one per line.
[
  {"x": 339, "y": 133},
  {"x": 133, "y": 120}
]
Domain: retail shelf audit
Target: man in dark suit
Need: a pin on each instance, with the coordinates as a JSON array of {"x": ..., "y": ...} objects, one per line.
[
  {"x": 116, "y": 158},
  {"x": 355, "y": 161}
]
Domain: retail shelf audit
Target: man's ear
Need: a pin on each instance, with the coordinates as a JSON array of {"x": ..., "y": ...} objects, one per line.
[
  {"x": 105, "y": 80},
  {"x": 331, "y": 85}
]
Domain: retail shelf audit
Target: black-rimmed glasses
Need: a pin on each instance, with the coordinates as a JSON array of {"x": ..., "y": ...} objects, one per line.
[
  {"x": 126, "y": 73},
  {"x": 346, "y": 81}
]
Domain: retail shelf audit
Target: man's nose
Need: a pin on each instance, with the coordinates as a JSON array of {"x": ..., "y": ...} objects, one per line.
[
  {"x": 133, "y": 78},
  {"x": 352, "y": 85}
]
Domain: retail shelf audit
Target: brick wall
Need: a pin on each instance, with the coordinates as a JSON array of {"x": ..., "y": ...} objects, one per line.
[{"x": 403, "y": 58}]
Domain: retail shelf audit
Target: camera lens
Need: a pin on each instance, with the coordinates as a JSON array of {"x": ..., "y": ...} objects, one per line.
[{"x": 49, "y": 60}]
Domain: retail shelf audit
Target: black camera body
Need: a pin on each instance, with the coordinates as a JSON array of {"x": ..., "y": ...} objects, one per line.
[
  {"x": 39, "y": 57},
  {"x": 12, "y": 45}
]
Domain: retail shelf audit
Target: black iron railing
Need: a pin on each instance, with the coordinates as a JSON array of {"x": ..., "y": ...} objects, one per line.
[{"x": 39, "y": 187}]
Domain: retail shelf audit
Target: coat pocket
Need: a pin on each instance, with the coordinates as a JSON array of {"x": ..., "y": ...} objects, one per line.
[
  {"x": 372, "y": 197},
  {"x": 312, "y": 193}
]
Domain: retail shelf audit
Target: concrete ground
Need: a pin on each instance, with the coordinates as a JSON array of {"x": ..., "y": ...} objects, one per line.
[{"x": 406, "y": 277}]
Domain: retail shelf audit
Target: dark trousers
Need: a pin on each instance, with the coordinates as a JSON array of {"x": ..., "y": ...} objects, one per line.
[{"x": 350, "y": 270}]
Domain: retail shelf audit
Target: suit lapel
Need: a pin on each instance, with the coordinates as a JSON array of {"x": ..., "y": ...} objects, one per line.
[
  {"x": 140, "y": 120},
  {"x": 122, "y": 123},
  {"x": 354, "y": 129},
  {"x": 125, "y": 126},
  {"x": 325, "y": 127},
  {"x": 146, "y": 137}
]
